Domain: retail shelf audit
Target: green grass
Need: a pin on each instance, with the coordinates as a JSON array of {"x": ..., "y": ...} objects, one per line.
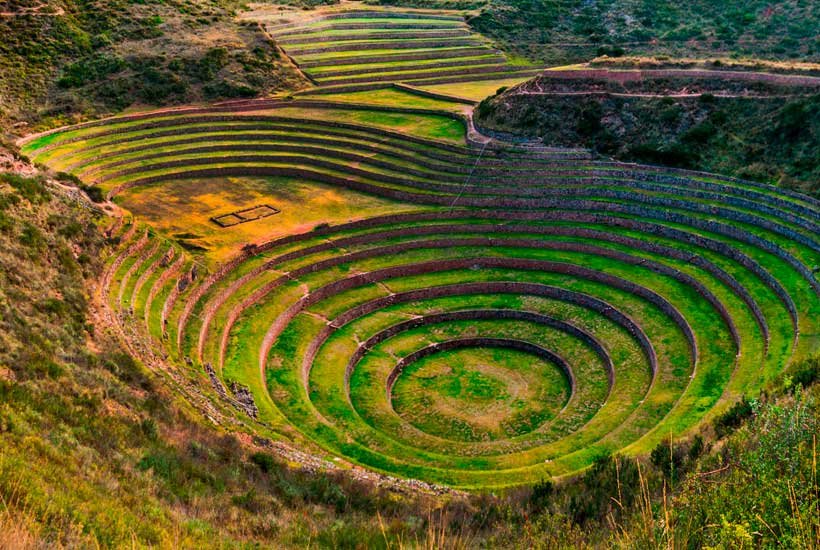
[
  {"x": 402, "y": 73},
  {"x": 427, "y": 126},
  {"x": 385, "y": 19},
  {"x": 383, "y": 54},
  {"x": 87, "y": 152},
  {"x": 395, "y": 97},
  {"x": 321, "y": 70},
  {"x": 345, "y": 34},
  {"x": 420, "y": 42},
  {"x": 324, "y": 312},
  {"x": 477, "y": 90},
  {"x": 377, "y": 63},
  {"x": 279, "y": 350}
]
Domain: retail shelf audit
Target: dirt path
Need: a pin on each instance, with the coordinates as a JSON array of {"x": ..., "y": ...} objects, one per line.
[{"x": 678, "y": 95}]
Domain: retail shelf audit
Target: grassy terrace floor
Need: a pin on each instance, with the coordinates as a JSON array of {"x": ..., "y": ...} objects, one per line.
[{"x": 476, "y": 316}]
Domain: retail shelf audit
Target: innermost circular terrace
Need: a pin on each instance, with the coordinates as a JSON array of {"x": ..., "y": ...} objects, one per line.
[{"x": 480, "y": 389}]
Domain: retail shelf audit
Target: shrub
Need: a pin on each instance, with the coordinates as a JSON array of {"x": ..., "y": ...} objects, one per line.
[
  {"x": 669, "y": 458},
  {"x": 31, "y": 237},
  {"x": 94, "y": 193},
  {"x": 611, "y": 51},
  {"x": 248, "y": 501},
  {"x": 8, "y": 199},
  {"x": 802, "y": 374},
  {"x": 589, "y": 120},
  {"x": 124, "y": 367},
  {"x": 610, "y": 485},
  {"x": 226, "y": 89},
  {"x": 88, "y": 70},
  {"x": 160, "y": 85},
  {"x": 265, "y": 461},
  {"x": 696, "y": 448},
  {"x": 65, "y": 177},
  {"x": 31, "y": 189},
  {"x": 676, "y": 155},
  {"x": 6, "y": 223},
  {"x": 149, "y": 429},
  {"x": 485, "y": 108},
  {"x": 541, "y": 495},
  {"x": 701, "y": 133},
  {"x": 731, "y": 420}
]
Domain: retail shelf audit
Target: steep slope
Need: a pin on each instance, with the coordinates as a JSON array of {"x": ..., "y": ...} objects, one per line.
[{"x": 62, "y": 59}]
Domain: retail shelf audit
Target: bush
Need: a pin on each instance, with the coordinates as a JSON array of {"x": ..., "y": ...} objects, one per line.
[
  {"x": 6, "y": 223},
  {"x": 124, "y": 367},
  {"x": 541, "y": 495},
  {"x": 609, "y": 486},
  {"x": 65, "y": 177},
  {"x": 731, "y": 420},
  {"x": 265, "y": 461},
  {"x": 485, "y": 108},
  {"x": 31, "y": 189},
  {"x": 149, "y": 429},
  {"x": 160, "y": 86},
  {"x": 676, "y": 155},
  {"x": 94, "y": 193},
  {"x": 802, "y": 374},
  {"x": 32, "y": 238},
  {"x": 589, "y": 120},
  {"x": 226, "y": 89},
  {"x": 611, "y": 51},
  {"x": 92, "y": 69},
  {"x": 699, "y": 134},
  {"x": 669, "y": 458}
]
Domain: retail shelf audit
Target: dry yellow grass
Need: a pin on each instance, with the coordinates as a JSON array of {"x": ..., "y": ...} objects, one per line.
[
  {"x": 477, "y": 90},
  {"x": 184, "y": 208}
]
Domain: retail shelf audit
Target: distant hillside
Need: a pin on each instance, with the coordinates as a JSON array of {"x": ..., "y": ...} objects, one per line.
[
  {"x": 766, "y": 129},
  {"x": 562, "y": 31},
  {"x": 63, "y": 59}
]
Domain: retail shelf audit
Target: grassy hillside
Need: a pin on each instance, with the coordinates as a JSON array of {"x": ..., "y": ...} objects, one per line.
[{"x": 63, "y": 59}]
